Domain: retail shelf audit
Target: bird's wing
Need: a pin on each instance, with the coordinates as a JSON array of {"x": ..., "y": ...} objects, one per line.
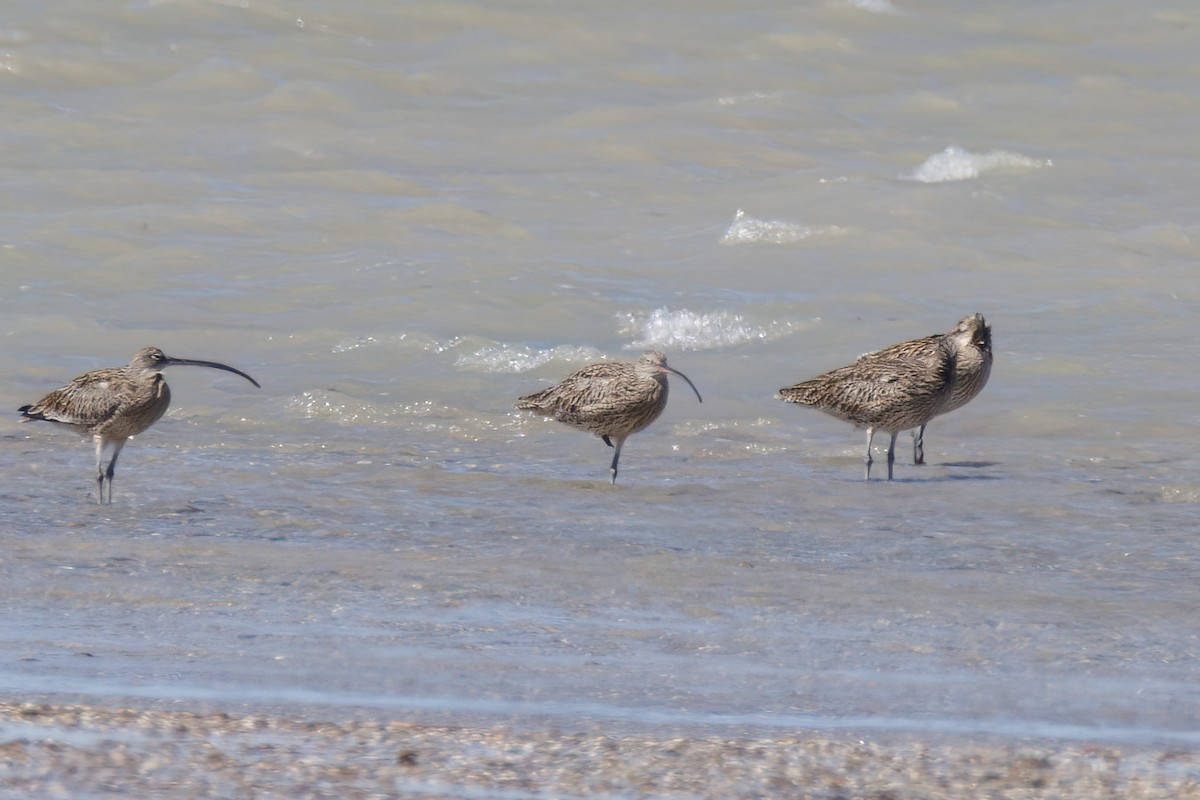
[
  {"x": 906, "y": 372},
  {"x": 858, "y": 390},
  {"x": 85, "y": 402},
  {"x": 593, "y": 390},
  {"x": 925, "y": 347}
]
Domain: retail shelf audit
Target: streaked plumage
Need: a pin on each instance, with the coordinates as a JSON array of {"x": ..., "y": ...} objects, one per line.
[
  {"x": 972, "y": 343},
  {"x": 115, "y": 403},
  {"x": 612, "y": 399},
  {"x": 891, "y": 390}
]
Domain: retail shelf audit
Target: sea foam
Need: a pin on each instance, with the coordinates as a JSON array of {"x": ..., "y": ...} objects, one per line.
[
  {"x": 956, "y": 164},
  {"x": 688, "y": 330},
  {"x": 874, "y": 6},
  {"x": 520, "y": 358},
  {"x": 750, "y": 230},
  {"x": 664, "y": 327}
]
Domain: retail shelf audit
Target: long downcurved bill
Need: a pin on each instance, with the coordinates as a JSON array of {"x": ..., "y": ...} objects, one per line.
[
  {"x": 686, "y": 378},
  {"x": 191, "y": 362}
]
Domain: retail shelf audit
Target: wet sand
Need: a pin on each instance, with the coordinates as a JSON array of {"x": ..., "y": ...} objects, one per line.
[{"x": 73, "y": 751}]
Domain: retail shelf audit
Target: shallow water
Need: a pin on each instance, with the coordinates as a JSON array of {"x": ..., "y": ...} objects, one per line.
[{"x": 399, "y": 221}]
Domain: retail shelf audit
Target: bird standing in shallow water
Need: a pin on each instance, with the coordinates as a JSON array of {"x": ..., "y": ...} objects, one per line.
[
  {"x": 892, "y": 390},
  {"x": 972, "y": 342},
  {"x": 115, "y": 403},
  {"x": 612, "y": 399}
]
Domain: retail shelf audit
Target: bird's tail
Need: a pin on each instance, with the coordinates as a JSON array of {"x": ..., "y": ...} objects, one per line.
[
  {"x": 29, "y": 414},
  {"x": 800, "y": 393},
  {"x": 533, "y": 402}
]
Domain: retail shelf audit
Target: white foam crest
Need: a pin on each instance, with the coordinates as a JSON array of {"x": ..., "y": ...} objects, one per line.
[
  {"x": 333, "y": 405},
  {"x": 520, "y": 358},
  {"x": 874, "y": 6},
  {"x": 736, "y": 99},
  {"x": 689, "y": 330},
  {"x": 418, "y": 342},
  {"x": 346, "y": 345},
  {"x": 957, "y": 164},
  {"x": 751, "y": 230}
]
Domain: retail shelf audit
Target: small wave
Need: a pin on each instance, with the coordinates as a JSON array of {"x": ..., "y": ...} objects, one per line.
[
  {"x": 736, "y": 99},
  {"x": 956, "y": 164},
  {"x": 676, "y": 329},
  {"x": 1181, "y": 493},
  {"x": 354, "y": 343},
  {"x": 874, "y": 6},
  {"x": 423, "y": 416},
  {"x": 520, "y": 358},
  {"x": 342, "y": 408},
  {"x": 748, "y": 230},
  {"x": 417, "y": 342},
  {"x": 688, "y": 330}
]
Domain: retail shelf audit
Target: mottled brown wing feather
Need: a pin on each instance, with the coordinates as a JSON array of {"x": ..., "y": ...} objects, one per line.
[
  {"x": 85, "y": 402},
  {"x": 887, "y": 388},
  {"x": 592, "y": 391},
  {"x": 609, "y": 398}
]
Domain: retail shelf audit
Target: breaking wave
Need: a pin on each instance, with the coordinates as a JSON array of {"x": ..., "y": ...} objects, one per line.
[
  {"x": 750, "y": 230},
  {"x": 521, "y": 358},
  {"x": 956, "y": 164},
  {"x": 688, "y": 330}
]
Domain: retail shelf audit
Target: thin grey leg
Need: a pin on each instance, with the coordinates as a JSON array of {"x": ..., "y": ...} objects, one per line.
[
  {"x": 919, "y": 445},
  {"x": 99, "y": 469},
  {"x": 112, "y": 467},
  {"x": 869, "y": 461},
  {"x": 892, "y": 453},
  {"x": 105, "y": 472},
  {"x": 616, "y": 458}
]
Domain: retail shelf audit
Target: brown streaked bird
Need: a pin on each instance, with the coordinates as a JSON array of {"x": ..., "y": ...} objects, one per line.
[
  {"x": 612, "y": 399},
  {"x": 115, "y": 403},
  {"x": 891, "y": 390},
  {"x": 972, "y": 342}
]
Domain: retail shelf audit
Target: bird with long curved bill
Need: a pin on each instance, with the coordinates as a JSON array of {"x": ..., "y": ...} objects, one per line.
[
  {"x": 612, "y": 399},
  {"x": 891, "y": 390},
  {"x": 115, "y": 403}
]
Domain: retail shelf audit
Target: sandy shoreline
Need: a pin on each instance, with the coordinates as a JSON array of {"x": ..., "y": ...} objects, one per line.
[{"x": 76, "y": 751}]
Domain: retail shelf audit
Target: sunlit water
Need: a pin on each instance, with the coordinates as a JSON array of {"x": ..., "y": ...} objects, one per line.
[{"x": 400, "y": 218}]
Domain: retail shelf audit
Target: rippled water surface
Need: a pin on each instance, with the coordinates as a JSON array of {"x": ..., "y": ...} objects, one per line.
[{"x": 399, "y": 218}]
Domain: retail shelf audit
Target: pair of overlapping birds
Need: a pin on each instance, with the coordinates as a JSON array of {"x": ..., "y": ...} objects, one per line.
[{"x": 895, "y": 389}]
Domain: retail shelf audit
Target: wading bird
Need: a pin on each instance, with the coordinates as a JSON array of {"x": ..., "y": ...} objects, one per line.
[
  {"x": 891, "y": 390},
  {"x": 612, "y": 399},
  {"x": 972, "y": 340},
  {"x": 115, "y": 403}
]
